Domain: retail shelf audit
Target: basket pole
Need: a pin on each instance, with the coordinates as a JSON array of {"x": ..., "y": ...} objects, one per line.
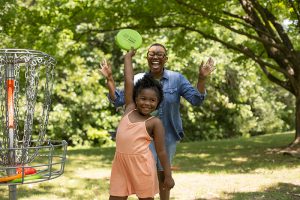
[{"x": 10, "y": 86}]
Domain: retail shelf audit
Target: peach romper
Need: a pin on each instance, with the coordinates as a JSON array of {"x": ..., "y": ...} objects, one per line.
[{"x": 133, "y": 169}]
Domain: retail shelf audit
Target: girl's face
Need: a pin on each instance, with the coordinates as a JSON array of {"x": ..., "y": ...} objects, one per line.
[{"x": 146, "y": 101}]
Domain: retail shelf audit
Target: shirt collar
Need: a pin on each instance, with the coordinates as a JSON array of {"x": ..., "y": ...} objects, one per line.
[{"x": 165, "y": 74}]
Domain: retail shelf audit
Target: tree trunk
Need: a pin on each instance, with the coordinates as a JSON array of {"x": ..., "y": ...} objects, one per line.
[
  {"x": 297, "y": 123},
  {"x": 296, "y": 142},
  {"x": 293, "y": 148}
]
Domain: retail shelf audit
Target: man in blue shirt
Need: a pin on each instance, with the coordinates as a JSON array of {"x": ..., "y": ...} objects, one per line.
[{"x": 175, "y": 85}]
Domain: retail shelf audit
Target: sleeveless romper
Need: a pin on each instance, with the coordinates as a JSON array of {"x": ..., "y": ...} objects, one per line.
[{"x": 133, "y": 168}]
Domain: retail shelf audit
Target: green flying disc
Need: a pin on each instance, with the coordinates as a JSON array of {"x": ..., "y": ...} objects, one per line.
[
  {"x": 27, "y": 178},
  {"x": 128, "y": 38}
]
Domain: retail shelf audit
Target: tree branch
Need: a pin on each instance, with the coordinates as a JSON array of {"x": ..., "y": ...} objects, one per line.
[
  {"x": 268, "y": 40},
  {"x": 284, "y": 84},
  {"x": 268, "y": 16},
  {"x": 246, "y": 51},
  {"x": 265, "y": 19},
  {"x": 296, "y": 10}
]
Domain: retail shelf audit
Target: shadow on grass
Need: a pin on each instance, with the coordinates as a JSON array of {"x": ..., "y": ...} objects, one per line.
[
  {"x": 84, "y": 189},
  {"x": 71, "y": 185},
  {"x": 235, "y": 156},
  {"x": 284, "y": 191},
  {"x": 95, "y": 156},
  {"x": 281, "y": 191},
  {"x": 232, "y": 156}
]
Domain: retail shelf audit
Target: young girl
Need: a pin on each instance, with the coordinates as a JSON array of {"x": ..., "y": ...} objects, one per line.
[{"x": 134, "y": 169}]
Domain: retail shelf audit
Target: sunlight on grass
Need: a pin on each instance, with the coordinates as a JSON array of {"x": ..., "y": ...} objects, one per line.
[
  {"x": 240, "y": 159},
  {"x": 190, "y": 155},
  {"x": 215, "y": 164}
]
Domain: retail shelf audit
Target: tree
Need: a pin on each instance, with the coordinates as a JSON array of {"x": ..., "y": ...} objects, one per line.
[
  {"x": 269, "y": 29},
  {"x": 79, "y": 33},
  {"x": 79, "y": 102}
]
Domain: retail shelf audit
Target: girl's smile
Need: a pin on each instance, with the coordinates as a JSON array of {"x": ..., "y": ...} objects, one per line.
[{"x": 146, "y": 101}]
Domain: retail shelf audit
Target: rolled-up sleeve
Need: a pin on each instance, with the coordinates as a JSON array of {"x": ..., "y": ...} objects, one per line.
[
  {"x": 120, "y": 96},
  {"x": 119, "y": 101},
  {"x": 190, "y": 93}
]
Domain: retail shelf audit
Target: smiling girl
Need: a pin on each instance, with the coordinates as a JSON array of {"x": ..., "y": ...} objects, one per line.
[{"x": 134, "y": 168}]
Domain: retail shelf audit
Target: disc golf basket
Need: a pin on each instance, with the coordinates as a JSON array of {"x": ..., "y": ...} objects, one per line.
[{"x": 26, "y": 154}]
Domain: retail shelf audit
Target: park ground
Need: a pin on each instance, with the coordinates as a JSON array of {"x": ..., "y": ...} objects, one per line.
[{"x": 236, "y": 169}]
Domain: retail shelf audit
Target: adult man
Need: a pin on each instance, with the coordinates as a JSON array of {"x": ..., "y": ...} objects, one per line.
[{"x": 175, "y": 85}]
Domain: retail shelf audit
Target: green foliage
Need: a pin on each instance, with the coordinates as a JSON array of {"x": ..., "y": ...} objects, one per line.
[
  {"x": 80, "y": 111},
  {"x": 239, "y": 102},
  {"x": 78, "y": 34}
]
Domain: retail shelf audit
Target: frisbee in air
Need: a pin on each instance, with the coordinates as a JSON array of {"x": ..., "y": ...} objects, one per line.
[{"x": 128, "y": 38}]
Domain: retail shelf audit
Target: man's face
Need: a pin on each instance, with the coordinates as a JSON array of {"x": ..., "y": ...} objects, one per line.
[{"x": 157, "y": 58}]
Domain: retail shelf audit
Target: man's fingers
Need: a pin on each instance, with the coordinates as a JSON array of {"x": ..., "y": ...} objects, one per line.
[
  {"x": 209, "y": 63},
  {"x": 103, "y": 65},
  {"x": 202, "y": 63},
  {"x": 104, "y": 61}
]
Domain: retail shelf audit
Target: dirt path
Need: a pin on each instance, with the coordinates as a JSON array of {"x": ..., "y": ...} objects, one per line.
[
  {"x": 199, "y": 186},
  {"x": 195, "y": 186}
]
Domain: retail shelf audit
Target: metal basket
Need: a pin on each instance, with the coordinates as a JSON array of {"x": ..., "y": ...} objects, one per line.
[{"x": 26, "y": 81}]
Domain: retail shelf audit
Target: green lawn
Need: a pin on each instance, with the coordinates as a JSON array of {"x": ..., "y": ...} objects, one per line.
[{"x": 238, "y": 169}]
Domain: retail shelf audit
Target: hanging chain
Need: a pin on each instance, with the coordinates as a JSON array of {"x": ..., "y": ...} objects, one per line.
[
  {"x": 31, "y": 102},
  {"x": 3, "y": 139},
  {"x": 47, "y": 102}
]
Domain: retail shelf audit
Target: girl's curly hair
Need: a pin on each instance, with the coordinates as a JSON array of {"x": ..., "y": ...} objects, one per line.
[{"x": 148, "y": 82}]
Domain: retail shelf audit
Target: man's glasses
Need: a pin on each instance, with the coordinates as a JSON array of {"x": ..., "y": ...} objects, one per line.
[{"x": 151, "y": 54}]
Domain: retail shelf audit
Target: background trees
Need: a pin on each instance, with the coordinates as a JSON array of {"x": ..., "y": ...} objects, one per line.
[
  {"x": 265, "y": 32},
  {"x": 241, "y": 100}
]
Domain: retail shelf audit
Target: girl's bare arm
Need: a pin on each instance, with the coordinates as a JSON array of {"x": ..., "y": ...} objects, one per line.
[
  {"x": 159, "y": 141},
  {"x": 128, "y": 77}
]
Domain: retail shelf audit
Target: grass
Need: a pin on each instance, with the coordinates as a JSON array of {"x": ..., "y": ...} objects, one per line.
[{"x": 236, "y": 169}]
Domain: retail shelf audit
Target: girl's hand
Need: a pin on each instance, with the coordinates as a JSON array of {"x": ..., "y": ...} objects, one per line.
[
  {"x": 130, "y": 53},
  {"x": 105, "y": 69},
  {"x": 168, "y": 183},
  {"x": 206, "y": 69}
]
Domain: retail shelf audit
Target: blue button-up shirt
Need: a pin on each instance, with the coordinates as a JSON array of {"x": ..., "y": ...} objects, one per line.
[{"x": 175, "y": 85}]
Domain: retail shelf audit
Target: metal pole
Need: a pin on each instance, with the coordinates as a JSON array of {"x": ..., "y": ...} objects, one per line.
[
  {"x": 10, "y": 84},
  {"x": 12, "y": 192}
]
